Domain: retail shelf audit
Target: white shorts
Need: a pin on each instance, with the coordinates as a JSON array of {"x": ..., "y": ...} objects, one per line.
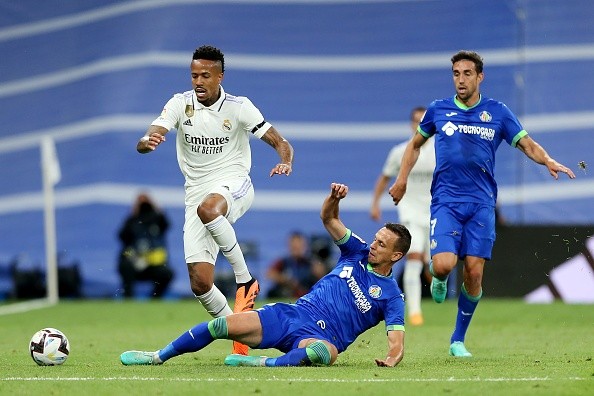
[
  {"x": 199, "y": 246},
  {"x": 420, "y": 237}
]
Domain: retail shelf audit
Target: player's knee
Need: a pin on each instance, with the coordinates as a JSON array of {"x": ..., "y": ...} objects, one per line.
[
  {"x": 441, "y": 268},
  {"x": 319, "y": 353},
  {"x": 473, "y": 276},
  {"x": 213, "y": 206},
  {"x": 218, "y": 328}
]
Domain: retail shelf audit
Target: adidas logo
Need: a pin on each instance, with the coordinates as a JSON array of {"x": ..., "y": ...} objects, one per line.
[{"x": 188, "y": 122}]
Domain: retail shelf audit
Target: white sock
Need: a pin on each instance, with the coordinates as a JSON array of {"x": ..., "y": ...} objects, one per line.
[
  {"x": 215, "y": 303},
  {"x": 412, "y": 285},
  {"x": 224, "y": 235}
]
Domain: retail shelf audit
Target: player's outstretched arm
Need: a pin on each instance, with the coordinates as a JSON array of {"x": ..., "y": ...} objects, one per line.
[
  {"x": 283, "y": 149},
  {"x": 538, "y": 154},
  {"x": 409, "y": 159},
  {"x": 330, "y": 211},
  {"x": 395, "y": 349},
  {"x": 153, "y": 137}
]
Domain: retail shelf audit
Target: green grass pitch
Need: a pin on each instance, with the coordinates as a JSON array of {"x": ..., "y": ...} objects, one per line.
[{"x": 519, "y": 349}]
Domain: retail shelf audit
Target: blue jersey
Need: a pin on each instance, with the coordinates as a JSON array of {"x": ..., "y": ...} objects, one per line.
[
  {"x": 352, "y": 298},
  {"x": 466, "y": 139}
]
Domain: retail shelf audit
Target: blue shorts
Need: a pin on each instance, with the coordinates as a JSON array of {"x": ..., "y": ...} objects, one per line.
[
  {"x": 285, "y": 325},
  {"x": 466, "y": 229}
]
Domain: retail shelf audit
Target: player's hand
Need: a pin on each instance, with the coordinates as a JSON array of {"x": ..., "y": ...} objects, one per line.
[
  {"x": 281, "y": 169},
  {"x": 150, "y": 142},
  {"x": 397, "y": 191},
  {"x": 385, "y": 363},
  {"x": 554, "y": 167},
  {"x": 338, "y": 191}
]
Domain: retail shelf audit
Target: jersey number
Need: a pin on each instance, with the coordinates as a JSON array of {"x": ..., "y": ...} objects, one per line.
[{"x": 433, "y": 223}]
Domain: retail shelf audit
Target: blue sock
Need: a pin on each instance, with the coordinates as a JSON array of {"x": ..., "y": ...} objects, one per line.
[
  {"x": 191, "y": 341},
  {"x": 295, "y": 357},
  {"x": 466, "y": 306}
]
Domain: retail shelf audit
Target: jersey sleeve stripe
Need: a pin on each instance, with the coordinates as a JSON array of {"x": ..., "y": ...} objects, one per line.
[
  {"x": 395, "y": 328},
  {"x": 422, "y": 132},
  {"x": 345, "y": 238},
  {"x": 520, "y": 135},
  {"x": 260, "y": 125}
]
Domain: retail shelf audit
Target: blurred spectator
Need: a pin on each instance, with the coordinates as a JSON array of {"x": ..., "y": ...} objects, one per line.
[
  {"x": 144, "y": 255},
  {"x": 293, "y": 276},
  {"x": 322, "y": 248}
]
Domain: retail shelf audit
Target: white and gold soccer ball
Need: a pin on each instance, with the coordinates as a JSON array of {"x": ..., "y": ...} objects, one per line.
[{"x": 49, "y": 347}]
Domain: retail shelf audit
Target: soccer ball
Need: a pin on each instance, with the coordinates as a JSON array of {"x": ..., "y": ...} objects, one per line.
[{"x": 49, "y": 347}]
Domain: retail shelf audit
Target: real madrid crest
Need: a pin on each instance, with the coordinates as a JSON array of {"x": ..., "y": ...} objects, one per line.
[{"x": 227, "y": 125}]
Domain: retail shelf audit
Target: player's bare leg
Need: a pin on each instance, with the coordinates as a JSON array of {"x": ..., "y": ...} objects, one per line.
[{"x": 211, "y": 212}]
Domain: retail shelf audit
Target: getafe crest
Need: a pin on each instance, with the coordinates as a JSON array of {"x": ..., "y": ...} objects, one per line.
[
  {"x": 485, "y": 116},
  {"x": 375, "y": 291}
]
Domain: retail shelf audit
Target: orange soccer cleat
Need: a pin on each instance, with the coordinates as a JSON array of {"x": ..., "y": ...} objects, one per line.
[
  {"x": 416, "y": 319},
  {"x": 245, "y": 298}
]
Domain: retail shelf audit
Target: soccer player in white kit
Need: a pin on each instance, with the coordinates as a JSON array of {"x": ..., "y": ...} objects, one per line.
[
  {"x": 213, "y": 153},
  {"x": 413, "y": 213}
]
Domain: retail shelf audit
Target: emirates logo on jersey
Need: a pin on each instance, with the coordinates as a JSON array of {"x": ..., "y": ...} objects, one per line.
[{"x": 227, "y": 125}]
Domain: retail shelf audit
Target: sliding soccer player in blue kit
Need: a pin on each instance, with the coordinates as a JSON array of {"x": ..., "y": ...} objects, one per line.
[
  {"x": 354, "y": 297},
  {"x": 468, "y": 128}
]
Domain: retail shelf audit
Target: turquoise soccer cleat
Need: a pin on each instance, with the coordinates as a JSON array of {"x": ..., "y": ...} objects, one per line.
[
  {"x": 439, "y": 289},
  {"x": 457, "y": 349},
  {"x": 245, "y": 361},
  {"x": 136, "y": 358}
]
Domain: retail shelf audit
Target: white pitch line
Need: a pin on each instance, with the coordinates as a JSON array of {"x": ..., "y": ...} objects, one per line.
[
  {"x": 305, "y": 380},
  {"x": 25, "y": 306}
]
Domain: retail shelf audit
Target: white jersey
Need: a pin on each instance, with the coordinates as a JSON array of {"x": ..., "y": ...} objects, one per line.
[
  {"x": 414, "y": 206},
  {"x": 212, "y": 142}
]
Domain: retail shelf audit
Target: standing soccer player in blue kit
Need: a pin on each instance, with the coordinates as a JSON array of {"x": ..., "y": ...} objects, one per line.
[
  {"x": 354, "y": 297},
  {"x": 468, "y": 129}
]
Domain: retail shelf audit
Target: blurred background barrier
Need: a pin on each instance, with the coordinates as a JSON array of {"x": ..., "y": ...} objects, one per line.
[{"x": 557, "y": 258}]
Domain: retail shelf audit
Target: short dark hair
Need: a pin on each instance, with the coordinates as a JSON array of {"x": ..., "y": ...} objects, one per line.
[
  {"x": 471, "y": 56},
  {"x": 211, "y": 53},
  {"x": 403, "y": 242},
  {"x": 420, "y": 109},
  {"x": 296, "y": 234}
]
